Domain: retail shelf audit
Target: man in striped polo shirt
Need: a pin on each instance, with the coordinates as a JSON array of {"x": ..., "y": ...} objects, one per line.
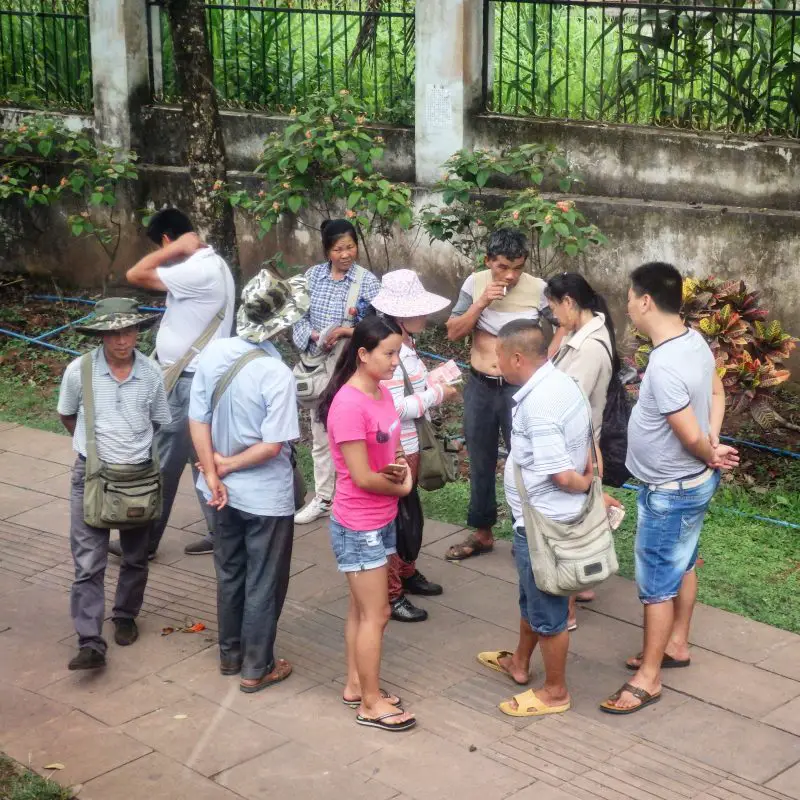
[
  {"x": 550, "y": 437},
  {"x": 129, "y": 400}
]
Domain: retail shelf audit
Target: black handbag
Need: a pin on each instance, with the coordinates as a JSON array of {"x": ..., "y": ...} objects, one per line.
[
  {"x": 614, "y": 433},
  {"x": 409, "y": 525}
]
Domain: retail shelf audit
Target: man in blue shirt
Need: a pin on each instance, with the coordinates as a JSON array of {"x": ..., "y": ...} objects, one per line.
[{"x": 242, "y": 416}]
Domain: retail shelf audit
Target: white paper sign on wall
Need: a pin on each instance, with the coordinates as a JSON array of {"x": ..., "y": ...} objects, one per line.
[{"x": 438, "y": 106}]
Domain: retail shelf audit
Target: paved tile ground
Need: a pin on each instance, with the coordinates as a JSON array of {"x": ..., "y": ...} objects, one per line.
[{"x": 161, "y": 723}]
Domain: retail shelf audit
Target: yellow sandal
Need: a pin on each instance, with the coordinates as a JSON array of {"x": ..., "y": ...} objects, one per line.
[{"x": 529, "y": 705}]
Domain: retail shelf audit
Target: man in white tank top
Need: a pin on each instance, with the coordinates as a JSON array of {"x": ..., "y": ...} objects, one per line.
[
  {"x": 199, "y": 285},
  {"x": 487, "y": 301}
]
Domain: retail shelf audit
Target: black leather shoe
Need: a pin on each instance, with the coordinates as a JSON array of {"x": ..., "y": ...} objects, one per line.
[
  {"x": 87, "y": 658},
  {"x": 125, "y": 632},
  {"x": 419, "y": 584},
  {"x": 202, "y": 547},
  {"x": 403, "y": 610}
]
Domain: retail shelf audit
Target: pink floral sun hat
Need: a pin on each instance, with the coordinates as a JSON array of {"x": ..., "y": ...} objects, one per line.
[{"x": 402, "y": 295}]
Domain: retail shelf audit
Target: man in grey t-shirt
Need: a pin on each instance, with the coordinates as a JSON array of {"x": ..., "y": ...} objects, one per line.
[{"x": 674, "y": 450}]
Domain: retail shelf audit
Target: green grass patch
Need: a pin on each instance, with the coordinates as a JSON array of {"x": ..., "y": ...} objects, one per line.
[{"x": 18, "y": 783}]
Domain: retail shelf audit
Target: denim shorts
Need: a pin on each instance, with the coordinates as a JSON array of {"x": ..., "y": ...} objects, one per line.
[
  {"x": 545, "y": 613},
  {"x": 360, "y": 550},
  {"x": 667, "y": 537}
]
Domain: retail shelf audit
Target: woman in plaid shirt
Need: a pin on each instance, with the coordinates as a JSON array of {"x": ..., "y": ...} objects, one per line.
[{"x": 326, "y": 323}]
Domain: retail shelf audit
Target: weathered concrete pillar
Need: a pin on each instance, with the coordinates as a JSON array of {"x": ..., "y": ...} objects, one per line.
[
  {"x": 120, "y": 74},
  {"x": 449, "y": 39}
]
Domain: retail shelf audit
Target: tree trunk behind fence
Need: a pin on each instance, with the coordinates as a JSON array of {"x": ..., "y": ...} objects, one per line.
[{"x": 205, "y": 148}]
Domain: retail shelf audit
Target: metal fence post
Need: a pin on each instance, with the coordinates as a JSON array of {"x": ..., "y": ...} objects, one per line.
[
  {"x": 449, "y": 61},
  {"x": 120, "y": 72}
]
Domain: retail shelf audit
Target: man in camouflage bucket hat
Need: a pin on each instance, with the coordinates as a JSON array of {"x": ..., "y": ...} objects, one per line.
[
  {"x": 129, "y": 402},
  {"x": 242, "y": 433}
]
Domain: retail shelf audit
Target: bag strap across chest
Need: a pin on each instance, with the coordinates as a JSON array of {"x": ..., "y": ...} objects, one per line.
[{"x": 233, "y": 370}]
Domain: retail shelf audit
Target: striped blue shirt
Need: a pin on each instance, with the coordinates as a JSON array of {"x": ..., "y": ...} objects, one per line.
[
  {"x": 328, "y": 299},
  {"x": 124, "y": 410},
  {"x": 549, "y": 434},
  {"x": 260, "y": 405}
]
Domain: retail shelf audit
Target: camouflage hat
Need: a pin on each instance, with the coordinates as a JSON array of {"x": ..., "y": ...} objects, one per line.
[
  {"x": 269, "y": 305},
  {"x": 114, "y": 314}
]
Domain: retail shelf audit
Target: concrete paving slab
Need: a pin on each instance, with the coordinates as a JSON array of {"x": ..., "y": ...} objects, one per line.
[
  {"x": 541, "y": 791},
  {"x": 486, "y": 598},
  {"x": 199, "y": 565},
  {"x": 21, "y": 710},
  {"x": 435, "y": 531},
  {"x": 46, "y": 445},
  {"x": 16, "y": 500},
  {"x": 785, "y": 717},
  {"x": 85, "y": 747},
  {"x": 288, "y": 771},
  {"x": 57, "y": 486},
  {"x": 499, "y": 564},
  {"x": 785, "y": 660},
  {"x": 442, "y": 769},
  {"x": 7, "y": 426},
  {"x": 154, "y": 777},
  {"x": 314, "y": 580},
  {"x": 747, "y": 748},
  {"x": 37, "y": 613},
  {"x": 203, "y": 736},
  {"x": 52, "y": 517},
  {"x": 20, "y": 470},
  {"x": 170, "y": 549},
  {"x": 185, "y": 511},
  {"x": 787, "y": 782},
  {"x": 10, "y": 582},
  {"x": 31, "y": 659}
]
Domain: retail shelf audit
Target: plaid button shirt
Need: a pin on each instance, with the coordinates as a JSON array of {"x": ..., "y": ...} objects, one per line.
[{"x": 328, "y": 299}]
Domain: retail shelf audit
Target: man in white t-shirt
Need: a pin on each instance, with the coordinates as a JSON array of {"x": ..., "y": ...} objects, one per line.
[{"x": 200, "y": 295}]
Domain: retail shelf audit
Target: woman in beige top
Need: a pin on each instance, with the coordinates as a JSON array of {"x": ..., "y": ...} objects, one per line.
[{"x": 588, "y": 353}]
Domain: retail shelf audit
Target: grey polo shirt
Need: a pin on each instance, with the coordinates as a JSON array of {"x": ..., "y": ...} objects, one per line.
[{"x": 124, "y": 410}]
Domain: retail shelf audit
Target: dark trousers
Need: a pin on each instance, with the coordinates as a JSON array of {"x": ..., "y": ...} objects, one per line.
[
  {"x": 174, "y": 446},
  {"x": 90, "y": 554},
  {"x": 252, "y": 556},
  {"x": 487, "y": 414}
]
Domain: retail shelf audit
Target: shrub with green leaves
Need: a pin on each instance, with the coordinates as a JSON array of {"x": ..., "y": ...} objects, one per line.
[
  {"x": 324, "y": 165},
  {"x": 468, "y": 212},
  {"x": 43, "y": 163},
  {"x": 749, "y": 349}
]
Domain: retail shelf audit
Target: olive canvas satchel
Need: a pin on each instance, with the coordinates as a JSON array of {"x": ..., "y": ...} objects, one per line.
[
  {"x": 116, "y": 496},
  {"x": 569, "y": 557}
]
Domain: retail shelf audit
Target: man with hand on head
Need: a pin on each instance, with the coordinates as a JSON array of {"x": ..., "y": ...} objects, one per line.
[
  {"x": 242, "y": 416},
  {"x": 487, "y": 301},
  {"x": 200, "y": 299}
]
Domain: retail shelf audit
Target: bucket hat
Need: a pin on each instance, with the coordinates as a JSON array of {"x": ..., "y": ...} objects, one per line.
[
  {"x": 402, "y": 295},
  {"x": 270, "y": 305},
  {"x": 114, "y": 314}
]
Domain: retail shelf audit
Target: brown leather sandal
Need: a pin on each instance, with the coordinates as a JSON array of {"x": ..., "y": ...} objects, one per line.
[{"x": 471, "y": 546}]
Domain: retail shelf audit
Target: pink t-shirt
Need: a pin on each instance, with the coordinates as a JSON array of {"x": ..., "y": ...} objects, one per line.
[{"x": 355, "y": 416}]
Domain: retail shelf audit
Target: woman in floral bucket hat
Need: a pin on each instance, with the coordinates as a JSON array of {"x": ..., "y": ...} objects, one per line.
[{"x": 404, "y": 299}]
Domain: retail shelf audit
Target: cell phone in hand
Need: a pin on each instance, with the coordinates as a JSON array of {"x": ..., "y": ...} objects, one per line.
[
  {"x": 615, "y": 516},
  {"x": 396, "y": 468}
]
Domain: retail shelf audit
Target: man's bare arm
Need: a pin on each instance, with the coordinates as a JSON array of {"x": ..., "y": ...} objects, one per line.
[
  {"x": 717, "y": 407},
  {"x": 143, "y": 273},
  {"x": 69, "y": 422}
]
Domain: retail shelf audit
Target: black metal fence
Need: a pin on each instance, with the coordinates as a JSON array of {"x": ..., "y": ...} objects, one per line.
[
  {"x": 274, "y": 54},
  {"x": 45, "y": 57},
  {"x": 729, "y": 65}
]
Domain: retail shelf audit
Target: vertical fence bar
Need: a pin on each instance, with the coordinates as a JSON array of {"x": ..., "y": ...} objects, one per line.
[
  {"x": 770, "y": 69},
  {"x": 567, "y": 109},
  {"x": 584, "y": 59}
]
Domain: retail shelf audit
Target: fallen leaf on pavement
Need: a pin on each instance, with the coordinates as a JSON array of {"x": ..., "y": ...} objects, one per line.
[
  {"x": 167, "y": 631},
  {"x": 196, "y": 628},
  {"x": 55, "y": 766},
  {"x": 180, "y": 716}
]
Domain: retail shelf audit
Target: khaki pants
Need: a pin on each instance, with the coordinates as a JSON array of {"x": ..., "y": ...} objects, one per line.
[{"x": 324, "y": 472}]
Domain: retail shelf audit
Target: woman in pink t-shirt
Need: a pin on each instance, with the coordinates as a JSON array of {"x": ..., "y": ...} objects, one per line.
[{"x": 371, "y": 475}]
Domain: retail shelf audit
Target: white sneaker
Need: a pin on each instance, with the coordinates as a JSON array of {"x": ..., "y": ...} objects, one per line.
[{"x": 313, "y": 511}]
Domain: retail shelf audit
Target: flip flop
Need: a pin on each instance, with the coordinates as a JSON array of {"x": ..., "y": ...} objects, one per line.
[
  {"x": 572, "y": 627},
  {"x": 384, "y": 694},
  {"x": 668, "y": 662},
  {"x": 378, "y": 722},
  {"x": 458, "y": 552},
  {"x": 529, "y": 705},
  {"x": 491, "y": 659},
  {"x": 644, "y": 697},
  {"x": 283, "y": 669}
]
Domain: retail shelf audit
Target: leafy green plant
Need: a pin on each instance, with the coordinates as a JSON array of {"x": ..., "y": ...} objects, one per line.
[
  {"x": 749, "y": 350},
  {"x": 466, "y": 214},
  {"x": 43, "y": 163},
  {"x": 324, "y": 165}
]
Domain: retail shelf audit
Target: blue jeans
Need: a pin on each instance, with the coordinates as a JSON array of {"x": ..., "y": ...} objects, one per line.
[
  {"x": 545, "y": 613},
  {"x": 667, "y": 536},
  {"x": 252, "y": 556},
  {"x": 361, "y": 550}
]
